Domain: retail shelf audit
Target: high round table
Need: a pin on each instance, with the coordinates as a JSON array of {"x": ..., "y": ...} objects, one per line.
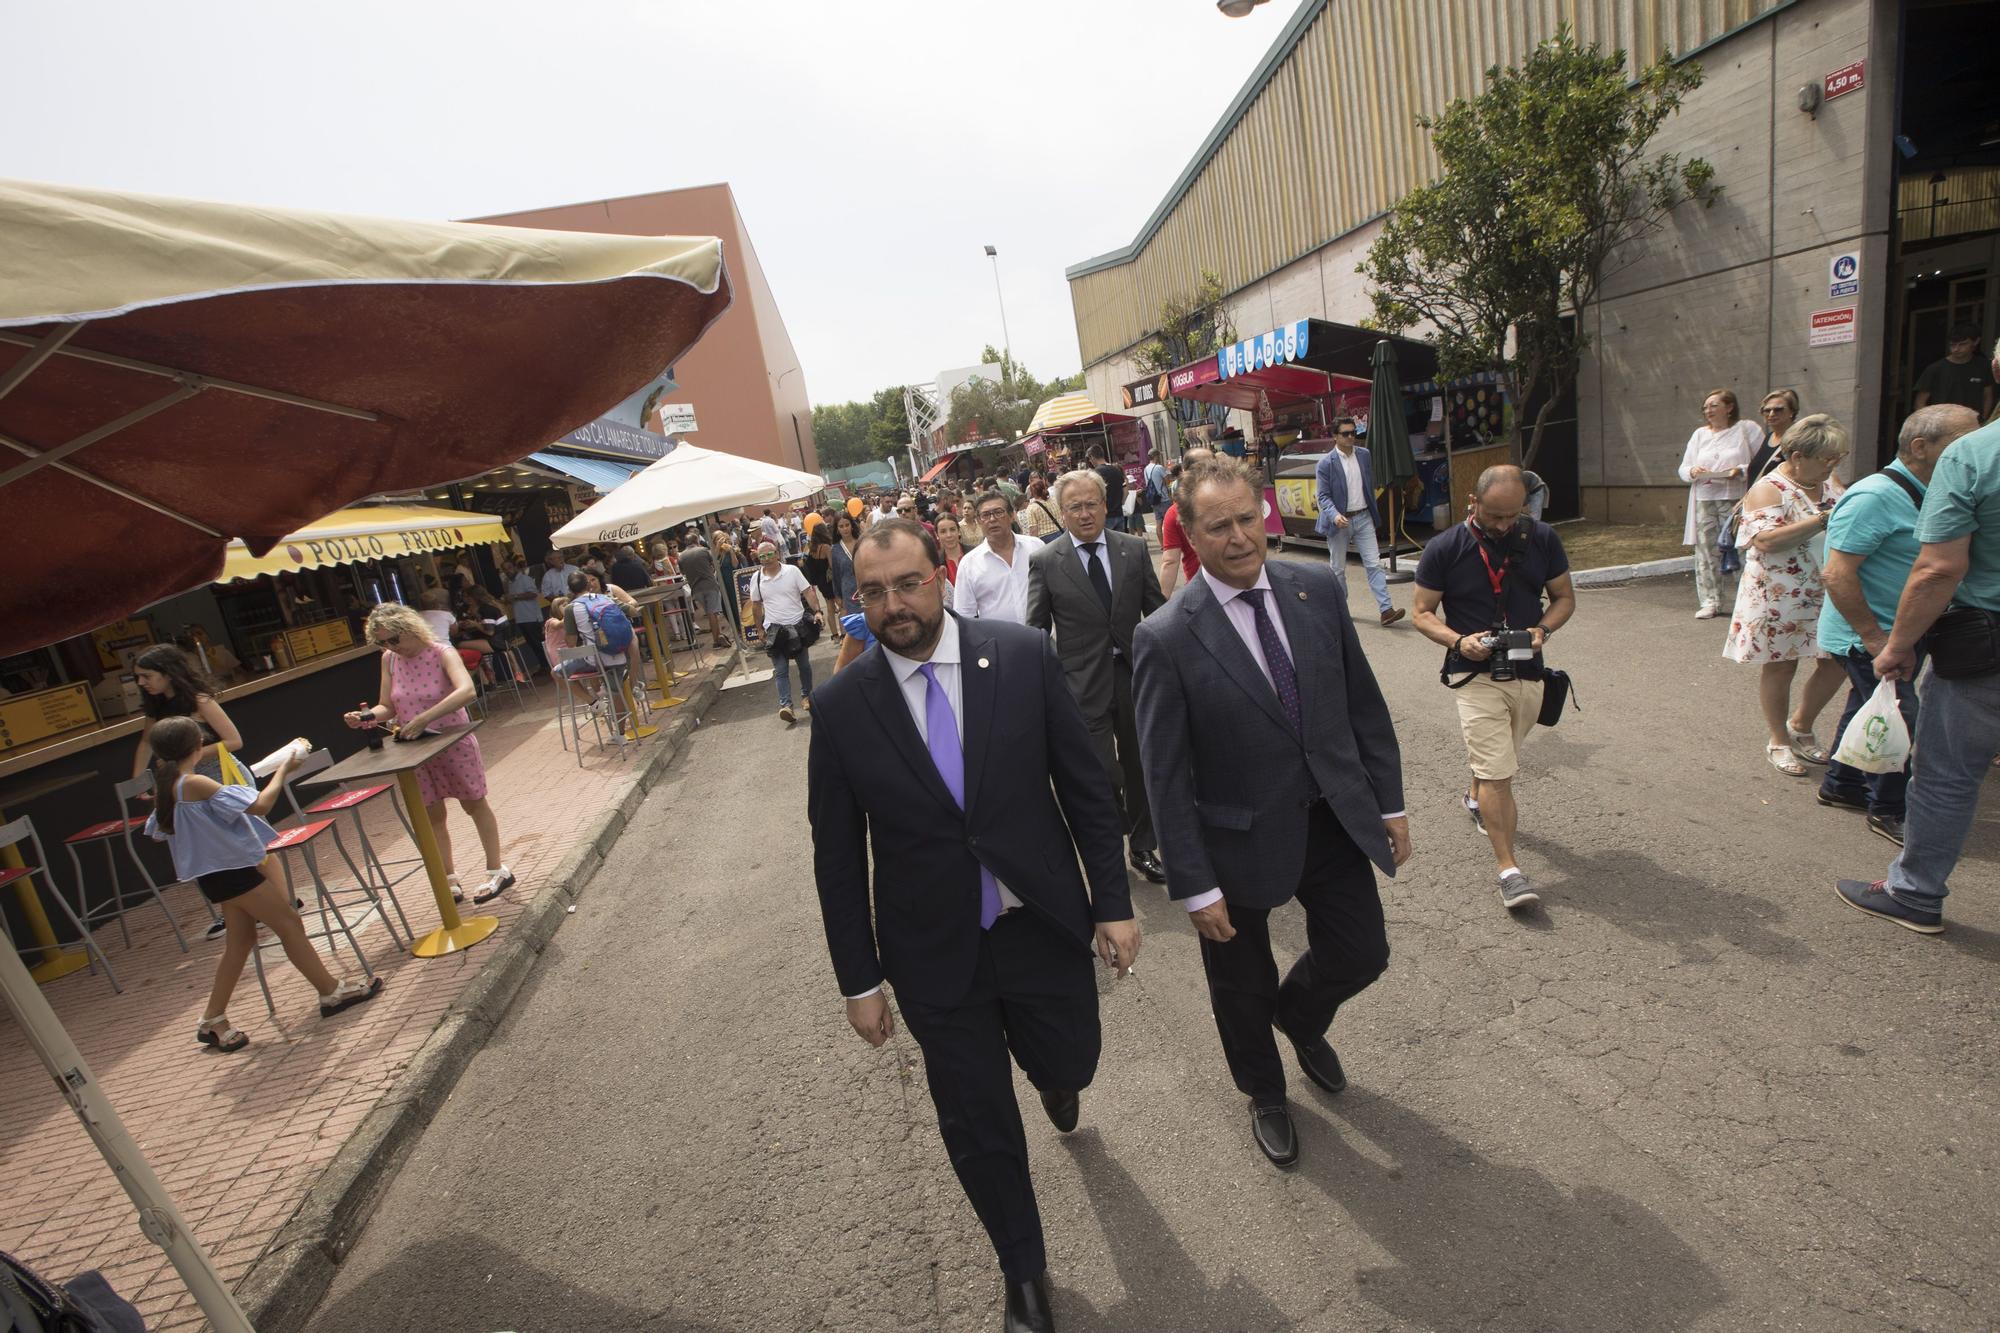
[{"x": 56, "y": 960}]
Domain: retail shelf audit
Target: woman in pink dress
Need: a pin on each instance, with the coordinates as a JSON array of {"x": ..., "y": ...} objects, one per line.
[
  {"x": 1776, "y": 622},
  {"x": 424, "y": 685}
]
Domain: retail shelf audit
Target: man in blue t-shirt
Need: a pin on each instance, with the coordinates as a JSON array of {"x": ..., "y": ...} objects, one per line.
[
  {"x": 1871, "y": 542},
  {"x": 1958, "y": 731},
  {"x": 1491, "y": 572}
]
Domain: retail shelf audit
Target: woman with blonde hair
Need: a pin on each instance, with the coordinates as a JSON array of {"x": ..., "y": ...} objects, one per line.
[
  {"x": 1776, "y": 621},
  {"x": 424, "y": 684},
  {"x": 1714, "y": 465}
]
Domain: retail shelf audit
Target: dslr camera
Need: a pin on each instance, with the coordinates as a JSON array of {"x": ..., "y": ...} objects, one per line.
[{"x": 1508, "y": 646}]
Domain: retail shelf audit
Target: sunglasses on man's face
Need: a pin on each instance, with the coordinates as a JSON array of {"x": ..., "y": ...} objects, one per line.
[{"x": 1345, "y": 434}]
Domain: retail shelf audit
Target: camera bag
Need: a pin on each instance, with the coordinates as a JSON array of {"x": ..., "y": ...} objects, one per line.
[{"x": 1965, "y": 643}]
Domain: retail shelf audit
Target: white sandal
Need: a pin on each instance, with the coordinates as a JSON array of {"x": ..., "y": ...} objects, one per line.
[
  {"x": 221, "y": 1034},
  {"x": 457, "y": 889},
  {"x": 1784, "y": 760},
  {"x": 1806, "y": 746}
]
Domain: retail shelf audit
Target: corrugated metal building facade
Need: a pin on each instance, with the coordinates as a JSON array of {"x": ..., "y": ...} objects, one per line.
[{"x": 1284, "y": 197}]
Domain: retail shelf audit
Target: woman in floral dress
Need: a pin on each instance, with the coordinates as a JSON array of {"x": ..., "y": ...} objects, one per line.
[
  {"x": 1776, "y": 622},
  {"x": 424, "y": 684}
]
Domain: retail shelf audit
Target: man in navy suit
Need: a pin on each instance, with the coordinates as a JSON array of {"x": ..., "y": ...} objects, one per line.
[
  {"x": 1274, "y": 773},
  {"x": 1348, "y": 513},
  {"x": 953, "y": 751}
]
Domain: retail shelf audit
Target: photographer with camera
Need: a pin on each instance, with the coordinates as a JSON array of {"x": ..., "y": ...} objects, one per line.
[{"x": 1490, "y": 575}]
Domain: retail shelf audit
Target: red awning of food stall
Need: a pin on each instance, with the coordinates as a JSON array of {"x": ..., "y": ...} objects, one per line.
[
  {"x": 1303, "y": 360},
  {"x": 175, "y": 374},
  {"x": 936, "y": 468}
]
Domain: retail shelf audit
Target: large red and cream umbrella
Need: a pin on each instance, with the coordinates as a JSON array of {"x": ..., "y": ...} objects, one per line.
[{"x": 176, "y": 374}]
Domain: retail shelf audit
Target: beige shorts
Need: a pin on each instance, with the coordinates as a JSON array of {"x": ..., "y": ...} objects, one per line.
[{"x": 1496, "y": 716}]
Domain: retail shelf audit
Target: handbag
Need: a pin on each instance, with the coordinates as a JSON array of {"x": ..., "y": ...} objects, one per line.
[
  {"x": 1557, "y": 689},
  {"x": 1965, "y": 643}
]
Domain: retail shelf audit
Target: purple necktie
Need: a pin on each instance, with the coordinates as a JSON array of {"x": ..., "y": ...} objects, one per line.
[
  {"x": 1283, "y": 676},
  {"x": 941, "y": 731}
]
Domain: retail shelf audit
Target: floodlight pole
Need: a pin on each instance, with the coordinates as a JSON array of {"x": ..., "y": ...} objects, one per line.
[{"x": 1006, "y": 340}]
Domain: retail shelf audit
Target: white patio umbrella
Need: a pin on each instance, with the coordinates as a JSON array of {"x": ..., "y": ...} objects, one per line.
[{"x": 689, "y": 482}]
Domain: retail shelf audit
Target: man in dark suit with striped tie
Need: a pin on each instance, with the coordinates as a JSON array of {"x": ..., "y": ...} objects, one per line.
[
  {"x": 1274, "y": 774},
  {"x": 953, "y": 752}
]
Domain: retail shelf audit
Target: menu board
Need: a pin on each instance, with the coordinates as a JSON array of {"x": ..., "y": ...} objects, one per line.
[
  {"x": 329, "y": 636},
  {"x": 120, "y": 634},
  {"x": 28, "y": 718}
]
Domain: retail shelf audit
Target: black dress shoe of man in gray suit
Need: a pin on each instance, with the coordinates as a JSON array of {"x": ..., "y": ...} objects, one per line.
[{"x": 1274, "y": 774}]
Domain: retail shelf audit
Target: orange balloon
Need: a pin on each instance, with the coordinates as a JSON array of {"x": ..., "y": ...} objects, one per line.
[
  {"x": 854, "y": 507},
  {"x": 813, "y": 520}
]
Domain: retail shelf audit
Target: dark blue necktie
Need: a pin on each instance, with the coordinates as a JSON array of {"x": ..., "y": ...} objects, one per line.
[{"x": 1283, "y": 676}]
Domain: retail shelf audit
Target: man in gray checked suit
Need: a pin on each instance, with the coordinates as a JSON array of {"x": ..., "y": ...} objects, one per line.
[
  {"x": 1093, "y": 587},
  {"x": 1274, "y": 773}
]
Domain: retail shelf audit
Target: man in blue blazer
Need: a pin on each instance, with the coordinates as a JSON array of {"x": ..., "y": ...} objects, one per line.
[
  {"x": 1274, "y": 773},
  {"x": 953, "y": 752},
  {"x": 1348, "y": 513}
]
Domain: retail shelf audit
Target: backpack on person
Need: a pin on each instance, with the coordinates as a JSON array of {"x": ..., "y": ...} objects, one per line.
[{"x": 611, "y": 626}]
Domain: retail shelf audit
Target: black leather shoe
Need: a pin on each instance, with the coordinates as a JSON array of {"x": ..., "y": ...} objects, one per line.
[
  {"x": 1062, "y": 1108},
  {"x": 1272, "y": 1127},
  {"x": 1028, "y": 1307},
  {"x": 1148, "y": 864},
  {"x": 1322, "y": 1064}
]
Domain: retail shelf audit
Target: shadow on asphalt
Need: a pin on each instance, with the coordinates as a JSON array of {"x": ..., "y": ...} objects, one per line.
[
  {"x": 1643, "y": 898},
  {"x": 1478, "y": 1242},
  {"x": 515, "y": 1296},
  {"x": 1165, "y": 1290}
]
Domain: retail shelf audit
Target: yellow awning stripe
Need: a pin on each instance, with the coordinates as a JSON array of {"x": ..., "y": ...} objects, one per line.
[
  {"x": 377, "y": 532},
  {"x": 1063, "y": 410}
]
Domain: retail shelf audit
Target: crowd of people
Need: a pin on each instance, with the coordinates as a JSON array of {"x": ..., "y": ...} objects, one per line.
[{"x": 966, "y": 853}]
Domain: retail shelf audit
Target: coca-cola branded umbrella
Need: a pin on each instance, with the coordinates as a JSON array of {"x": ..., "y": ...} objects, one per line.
[{"x": 175, "y": 374}]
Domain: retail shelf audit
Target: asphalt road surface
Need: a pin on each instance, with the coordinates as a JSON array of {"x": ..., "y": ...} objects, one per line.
[{"x": 1693, "y": 1090}]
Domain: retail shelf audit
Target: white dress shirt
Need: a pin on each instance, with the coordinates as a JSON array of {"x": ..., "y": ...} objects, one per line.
[
  {"x": 1102, "y": 546},
  {"x": 1350, "y": 463},
  {"x": 991, "y": 588},
  {"x": 1243, "y": 619},
  {"x": 946, "y": 665}
]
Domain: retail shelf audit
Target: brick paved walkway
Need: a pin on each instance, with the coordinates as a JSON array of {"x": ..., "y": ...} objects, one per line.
[{"x": 238, "y": 1139}]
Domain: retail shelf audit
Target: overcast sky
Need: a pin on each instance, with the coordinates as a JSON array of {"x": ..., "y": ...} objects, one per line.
[{"x": 874, "y": 147}]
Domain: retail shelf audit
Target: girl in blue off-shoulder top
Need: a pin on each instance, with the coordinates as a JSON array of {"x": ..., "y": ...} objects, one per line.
[{"x": 218, "y": 835}]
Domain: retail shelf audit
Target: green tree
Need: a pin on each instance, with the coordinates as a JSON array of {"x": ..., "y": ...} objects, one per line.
[
  {"x": 1001, "y": 409},
  {"x": 849, "y": 434},
  {"x": 1546, "y": 185},
  {"x": 1191, "y": 328}
]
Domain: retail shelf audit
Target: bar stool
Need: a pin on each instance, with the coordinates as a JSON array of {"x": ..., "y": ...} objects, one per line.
[
  {"x": 300, "y": 838},
  {"x": 106, "y": 835},
  {"x": 373, "y": 873},
  {"x": 22, "y": 831},
  {"x": 606, "y": 709}
]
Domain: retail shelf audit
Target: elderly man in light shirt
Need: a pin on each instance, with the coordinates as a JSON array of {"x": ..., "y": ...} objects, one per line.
[
  {"x": 555, "y": 576},
  {"x": 993, "y": 576}
]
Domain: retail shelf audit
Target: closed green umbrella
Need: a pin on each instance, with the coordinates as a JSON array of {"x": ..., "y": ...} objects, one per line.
[{"x": 1389, "y": 440}]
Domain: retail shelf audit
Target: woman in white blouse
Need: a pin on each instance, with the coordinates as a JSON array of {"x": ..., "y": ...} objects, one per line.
[{"x": 1714, "y": 466}]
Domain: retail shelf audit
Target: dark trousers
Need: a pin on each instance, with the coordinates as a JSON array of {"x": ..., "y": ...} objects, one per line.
[
  {"x": 1033, "y": 993},
  {"x": 1347, "y": 947},
  {"x": 1883, "y": 791},
  {"x": 1115, "y": 736}
]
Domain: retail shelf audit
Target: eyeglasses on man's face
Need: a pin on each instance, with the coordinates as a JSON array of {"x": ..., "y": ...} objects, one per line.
[
  {"x": 876, "y": 594},
  {"x": 1082, "y": 508}
]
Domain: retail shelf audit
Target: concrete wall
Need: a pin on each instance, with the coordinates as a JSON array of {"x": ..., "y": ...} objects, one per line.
[
  {"x": 743, "y": 377},
  {"x": 1722, "y": 297}
]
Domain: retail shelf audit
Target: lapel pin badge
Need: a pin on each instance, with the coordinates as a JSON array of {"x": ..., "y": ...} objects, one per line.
[
  {"x": 1302, "y": 594},
  {"x": 983, "y": 662}
]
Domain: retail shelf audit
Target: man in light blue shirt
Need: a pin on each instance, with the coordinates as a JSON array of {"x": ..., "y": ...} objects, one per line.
[
  {"x": 1871, "y": 542},
  {"x": 1958, "y": 732}
]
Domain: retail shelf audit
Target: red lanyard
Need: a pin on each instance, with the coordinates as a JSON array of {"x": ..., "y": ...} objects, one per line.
[{"x": 1496, "y": 577}]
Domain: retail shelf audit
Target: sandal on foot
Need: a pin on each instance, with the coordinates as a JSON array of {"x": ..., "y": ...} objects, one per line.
[
  {"x": 1806, "y": 746},
  {"x": 348, "y": 994},
  {"x": 1784, "y": 760},
  {"x": 219, "y": 1033},
  {"x": 457, "y": 889},
  {"x": 496, "y": 884}
]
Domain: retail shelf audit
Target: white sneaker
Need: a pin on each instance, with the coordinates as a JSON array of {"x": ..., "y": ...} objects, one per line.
[{"x": 1707, "y": 612}]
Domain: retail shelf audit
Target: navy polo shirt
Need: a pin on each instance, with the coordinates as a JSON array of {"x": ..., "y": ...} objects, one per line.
[{"x": 1451, "y": 565}]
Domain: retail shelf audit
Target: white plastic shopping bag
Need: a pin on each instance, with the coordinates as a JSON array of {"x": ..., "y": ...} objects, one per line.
[{"x": 1876, "y": 741}]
